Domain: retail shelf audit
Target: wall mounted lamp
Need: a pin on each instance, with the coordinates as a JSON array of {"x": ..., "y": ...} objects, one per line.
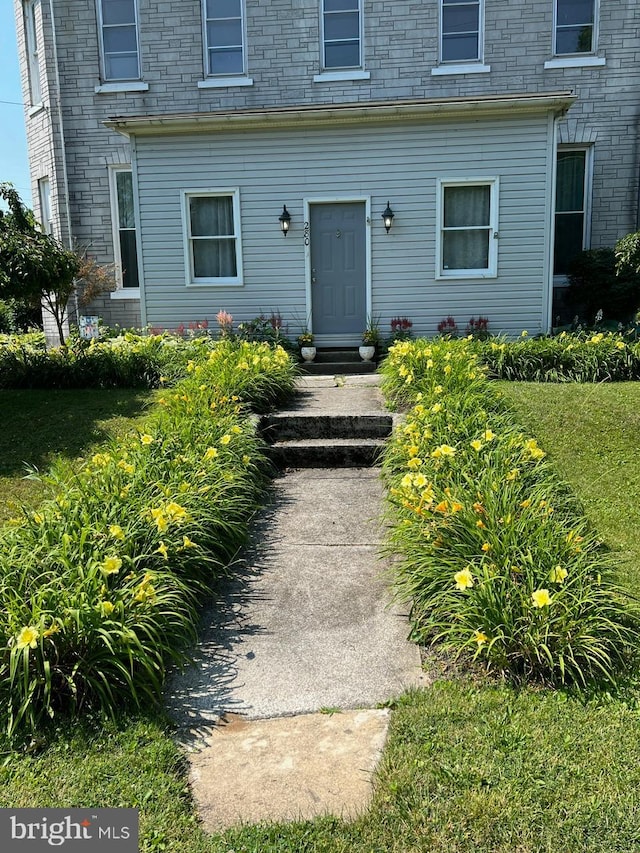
[
  {"x": 388, "y": 218},
  {"x": 285, "y": 220}
]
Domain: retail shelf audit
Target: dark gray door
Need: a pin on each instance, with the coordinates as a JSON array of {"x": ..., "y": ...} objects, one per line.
[{"x": 338, "y": 268}]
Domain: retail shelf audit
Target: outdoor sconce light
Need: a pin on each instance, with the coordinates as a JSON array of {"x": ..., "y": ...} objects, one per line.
[
  {"x": 388, "y": 218},
  {"x": 285, "y": 220}
]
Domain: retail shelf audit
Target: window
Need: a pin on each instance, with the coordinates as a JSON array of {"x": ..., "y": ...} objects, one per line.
[
  {"x": 468, "y": 225},
  {"x": 574, "y": 26},
  {"x": 341, "y": 33},
  {"x": 224, "y": 37},
  {"x": 44, "y": 196},
  {"x": 212, "y": 231},
  {"x": 124, "y": 227},
  {"x": 33, "y": 56},
  {"x": 119, "y": 39},
  {"x": 460, "y": 30},
  {"x": 572, "y": 197}
]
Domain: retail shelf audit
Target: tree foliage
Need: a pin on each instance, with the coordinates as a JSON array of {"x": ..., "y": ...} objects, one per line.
[{"x": 627, "y": 252}]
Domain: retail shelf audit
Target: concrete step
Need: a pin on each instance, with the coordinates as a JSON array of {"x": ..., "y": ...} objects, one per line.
[
  {"x": 326, "y": 452},
  {"x": 337, "y": 368},
  {"x": 287, "y": 427}
]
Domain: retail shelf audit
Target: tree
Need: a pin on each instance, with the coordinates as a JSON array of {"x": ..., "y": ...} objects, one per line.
[{"x": 627, "y": 252}]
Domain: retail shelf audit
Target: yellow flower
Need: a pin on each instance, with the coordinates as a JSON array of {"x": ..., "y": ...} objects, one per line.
[
  {"x": 480, "y": 523},
  {"x": 116, "y": 531},
  {"x": 480, "y": 637},
  {"x": 52, "y": 629},
  {"x": 489, "y": 435},
  {"x": 443, "y": 507},
  {"x": 486, "y": 547},
  {"x": 444, "y": 450},
  {"x": 456, "y": 506},
  {"x": 438, "y": 389},
  {"x": 464, "y": 579},
  {"x": 447, "y": 369},
  {"x": 127, "y": 467},
  {"x": 407, "y": 481},
  {"x": 532, "y": 447},
  {"x": 620, "y": 345},
  {"x": 414, "y": 462},
  {"x": 524, "y": 333},
  {"x": 437, "y": 407},
  {"x": 477, "y": 445},
  {"x": 236, "y": 429},
  {"x": 106, "y": 608},
  {"x": 226, "y": 438},
  {"x": 38, "y": 517},
  {"x": 525, "y": 503},
  {"x": 246, "y": 459},
  {"x": 158, "y": 515},
  {"x": 558, "y": 574},
  {"x": 187, "y": 543},
  {"x": 110, "y": 565},
  {"x": 513, "y": 474},
  {"x": 162, "y": 549},
  {"x": 541, "y": 598},
  {"x": 101, "y": 459},
  {"x": 27, "y": 637},
  {"x": 210, "y": 453},
  {"x": 175, "y": 512},
  {"x": 413, "y": 450},
  {"x": 145, "y": 438}
]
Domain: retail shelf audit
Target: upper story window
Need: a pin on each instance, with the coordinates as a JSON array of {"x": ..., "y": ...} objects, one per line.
[
  {"x": 342, "y": 33},
  {"x": 44, "y": 197},
  {"x": 468, "y": 218},
  {"x": 119, "y": 39},
  {"x": 460, "y": 31},
  {"x": 574, "y": 26},
  {"x": 33, "y": 53},
  {"x": 224, "y": 37}
]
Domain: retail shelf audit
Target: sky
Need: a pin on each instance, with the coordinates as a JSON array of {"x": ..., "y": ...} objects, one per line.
[{"x": 14, "y": 166}]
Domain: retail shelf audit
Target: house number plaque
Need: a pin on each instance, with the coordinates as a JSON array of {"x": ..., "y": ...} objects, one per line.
[{"x": 307, "y": 231}]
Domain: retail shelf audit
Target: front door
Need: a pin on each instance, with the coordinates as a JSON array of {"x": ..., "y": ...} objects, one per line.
[{"x": 338, "y": 268}]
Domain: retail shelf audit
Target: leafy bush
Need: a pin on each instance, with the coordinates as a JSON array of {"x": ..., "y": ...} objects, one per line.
[
  {"x": 595, "y": 284},
  {"x": 497, "y": 558},
  {"x": 627, "y": 252},
  {"x": 581, "y": 357},
  {"x": 100, "y": 587}
]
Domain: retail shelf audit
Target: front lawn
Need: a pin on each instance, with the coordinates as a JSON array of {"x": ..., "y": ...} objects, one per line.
[{"x": 469, "y": 766}]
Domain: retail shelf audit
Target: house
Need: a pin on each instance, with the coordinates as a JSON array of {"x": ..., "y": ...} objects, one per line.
[{"x": 175, "y": 139}]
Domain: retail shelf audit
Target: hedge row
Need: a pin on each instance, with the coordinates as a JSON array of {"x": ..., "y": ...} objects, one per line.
[
  {"x": 497, "y": 557},
  {"x": 100, "y": 587}
]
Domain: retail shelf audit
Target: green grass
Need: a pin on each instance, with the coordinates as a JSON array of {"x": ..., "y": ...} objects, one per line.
[
  {"x": 39, "y": 425},
  {"x": 468, "y": 766},
  {"x": 590, "y": 433}
]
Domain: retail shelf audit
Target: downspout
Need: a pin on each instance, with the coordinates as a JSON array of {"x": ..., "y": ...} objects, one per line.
[{"x": 637, "y": 228}]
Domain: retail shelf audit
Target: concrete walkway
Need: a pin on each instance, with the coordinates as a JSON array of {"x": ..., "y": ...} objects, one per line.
[{"x": 305, "y": 627}]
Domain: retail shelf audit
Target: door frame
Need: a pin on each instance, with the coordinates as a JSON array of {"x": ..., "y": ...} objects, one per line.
[{"x": 336, "y": 340}]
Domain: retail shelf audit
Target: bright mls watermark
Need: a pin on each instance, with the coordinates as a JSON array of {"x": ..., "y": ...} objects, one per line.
[{"x": 81, "y": 830}]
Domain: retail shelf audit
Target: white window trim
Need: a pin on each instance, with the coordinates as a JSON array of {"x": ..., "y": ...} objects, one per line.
[
  {"x": 224, "y": 82},
  {"x": 205, "y": 46},
  {"x": 586, "y": 53},
  {"x": 492, "y": 270},
  {"x": 582, "y": 61},
  {"x": 227, "y": 281},
  {"x": 461, "y": 68},
  {"x": 33, "y": 54},
  {"x": 342, "y": 69},
  {"x": 121, "y": 292},
  {"x": 562, "y": 280},
  {"x": 106, "y": 81},
  {"x": 44, "y": 202},
  {"x": 108, "y": 88},
  {"x": 451, "y": 63}
]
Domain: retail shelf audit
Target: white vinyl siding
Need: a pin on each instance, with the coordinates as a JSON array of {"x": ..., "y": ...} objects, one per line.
[
  {"x": 125, "y": 238},
  {"x": 33, "y": 53},
  {"x": 347, "y": 162},
  {"x": 224, "y": 37},
  {"x": 460, "y": 30},
  {"x": 573, "y": 183},
  {"x": 468, "y": 216},
  {"x": 341, "y": 34},
  {"x": 212, "y": 237},
  {"x": 574, "y": 27},
  {"x": 118, "y": 22}
]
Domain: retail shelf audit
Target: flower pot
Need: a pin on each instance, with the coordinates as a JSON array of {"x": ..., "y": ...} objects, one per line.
[
  {"x": 308, "y": 353},
  {"x": 367, "y": 352}
]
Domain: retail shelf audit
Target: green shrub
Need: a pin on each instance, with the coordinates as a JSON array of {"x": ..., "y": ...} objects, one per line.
[
  {"x": 100, "y": 587},
  {"x": 595, "y": 284},
  {"x": 580, "y": 357},
  {"x": 496, "y": 556}
]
